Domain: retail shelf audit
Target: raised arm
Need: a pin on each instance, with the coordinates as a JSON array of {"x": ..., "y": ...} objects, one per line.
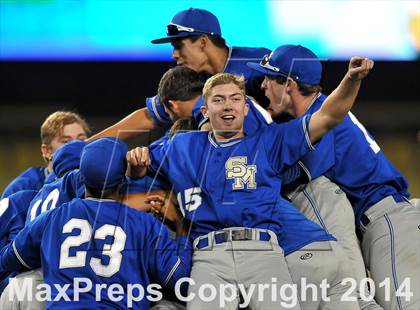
[
  {"x": 128, "y": 127},
  {"x": 341, "y": 100}
]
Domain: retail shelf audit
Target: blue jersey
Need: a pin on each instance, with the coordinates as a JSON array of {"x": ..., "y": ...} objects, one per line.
[
  {"x": 361, "y": 169},
  {"x": 33, "y": 179},
  {"x": 51, "y": 177},
  {"x": 12, "y": 218},
  {"x": 101, "y": 240},
  {"x": 56, "y": 193},
  {"x": 236, "y": 64},
  {"x": 237, "y": 184},
  {"x": 317, "y": 163}
]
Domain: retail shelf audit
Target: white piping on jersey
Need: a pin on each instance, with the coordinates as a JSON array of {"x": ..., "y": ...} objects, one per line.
[
  {"x": 264, "y": 113},
  {"x": 305, "y": 130},
  {"x": 18, "y": 256},
  {"x": 156, "y": 111},
  {"x": 98, "y": 199},
  {"x": 228, "y": 58},
  {"x": 178, "y": 261},
  {"x": 203, "y": 121},
  {"x": 305, "y": 169},
  {"x": 4, "y": 205},
  {"x": 313, "y": 101},
  {"x": 223, "y": 144}
]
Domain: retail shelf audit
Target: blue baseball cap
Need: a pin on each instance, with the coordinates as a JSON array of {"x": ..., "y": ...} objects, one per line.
[
  {"x": 103, "y": 163},
  {"x": 189, "y": 23},
  {"x": 67, "y": 157},
  {"x": 294, "y": 61}
]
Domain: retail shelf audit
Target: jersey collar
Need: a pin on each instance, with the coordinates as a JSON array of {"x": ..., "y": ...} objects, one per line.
[
  {"x": 215, "y": 143},
  {"x": 228, "y": 58},
  {"x": 313, "y": 101}
]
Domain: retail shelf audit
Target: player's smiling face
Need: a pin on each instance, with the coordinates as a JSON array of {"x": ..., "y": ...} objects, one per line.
[
  {"x": 226, "y": 109},
  {"x": 189, "y": 54}
]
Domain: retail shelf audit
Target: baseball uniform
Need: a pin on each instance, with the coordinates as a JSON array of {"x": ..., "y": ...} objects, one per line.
[
  {"x": 319, "y": 199},
  {"x": 100, "y": 240},
  {"x": 225, "y": 188},
  {"x": 12, "y": 216},
  {"x": 96, "y": 225},
  {"x": 236, "y": 64}
]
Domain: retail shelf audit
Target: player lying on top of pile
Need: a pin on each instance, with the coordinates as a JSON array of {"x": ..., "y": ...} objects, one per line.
[
  {"x": 197, "y": 41},
  {"x": 227, "y": 183}
]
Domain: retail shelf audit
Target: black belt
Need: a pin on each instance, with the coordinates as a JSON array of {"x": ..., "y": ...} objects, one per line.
[
  {"x": 233, "y": 235},
  {"x": 397, "y": 197}
]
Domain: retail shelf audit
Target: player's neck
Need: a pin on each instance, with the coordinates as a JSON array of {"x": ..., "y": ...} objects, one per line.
[
  {"x": 115, "y": 196},
  {"x": 226, "y": 136},
  {"x": 304, "y": 102},
  {"x": 218, "y": 57}
]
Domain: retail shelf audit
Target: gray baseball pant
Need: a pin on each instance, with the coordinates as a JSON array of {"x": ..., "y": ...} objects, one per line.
[
  {"x": 391, "y": 249},
  {"x": 323, "y": 202}
]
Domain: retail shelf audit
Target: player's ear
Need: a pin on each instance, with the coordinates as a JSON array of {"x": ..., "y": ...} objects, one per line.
[
  {"x": 203, "y": 110},
  {"x": 174, "y": 105},
  {"x": 46, "y": 152},
  {"x": 203, "y": 41},
  {"x": 246, "y": 108},
  {"x": 290, "y": 83}
]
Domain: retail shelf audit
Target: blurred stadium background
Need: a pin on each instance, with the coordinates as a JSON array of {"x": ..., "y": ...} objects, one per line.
[{"x": 95, "y": 57}]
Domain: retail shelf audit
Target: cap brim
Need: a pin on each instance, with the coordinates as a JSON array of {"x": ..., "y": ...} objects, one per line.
[
  {"x": 257, "y": 67},
  {"x": 174, "y": 37}
]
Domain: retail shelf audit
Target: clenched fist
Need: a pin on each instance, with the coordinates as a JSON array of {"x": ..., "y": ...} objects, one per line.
[
  {"x": 138, "y": 160},
  {"x": 359, "y": 67}
]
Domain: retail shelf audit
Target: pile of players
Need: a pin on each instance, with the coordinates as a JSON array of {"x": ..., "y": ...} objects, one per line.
[{"x": 296, "y": 193}]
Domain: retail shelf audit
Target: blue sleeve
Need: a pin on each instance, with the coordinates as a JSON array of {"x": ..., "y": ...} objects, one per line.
[
  {"x": 159, "y": 154},
  {"x": 157, "y": 111},
  {"x": 33, "y": 178},
  {"x": 24, "y": 252},
  {"x": 169, "y": 261},
  {"x": 17, "y": 224},
  {"x": 291, "y": 143},
  {"x": 17, "y": 185},
  {"x": 7, "y": 213}
]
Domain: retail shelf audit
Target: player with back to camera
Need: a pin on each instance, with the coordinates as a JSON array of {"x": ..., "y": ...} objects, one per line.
[
  {"x": 235, "y": 198},
  {"x": 113, "y": 243},
  {"x": 385, "y": 219}
]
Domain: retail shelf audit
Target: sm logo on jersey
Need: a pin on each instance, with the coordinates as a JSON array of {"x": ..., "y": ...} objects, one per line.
[{"x": 241, "y": 173}]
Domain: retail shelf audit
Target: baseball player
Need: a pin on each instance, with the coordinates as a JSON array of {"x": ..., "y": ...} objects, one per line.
[
  {"x": 50, "y": 196},
  {"x": 198, "y": 44},
  {"x": 378, "y": 193},
  {"x": 227, "y": 184},
  {"x": 319, "y": 195},
  {"x": 57, "y": 129},
  {"x": 100, "y": 239},
  {"x": 66, "y": 187},
  {"x": 12, "y": 216}
]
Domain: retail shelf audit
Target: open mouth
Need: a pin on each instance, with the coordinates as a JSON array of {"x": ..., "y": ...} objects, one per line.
[{"x": 228, "y": 119}]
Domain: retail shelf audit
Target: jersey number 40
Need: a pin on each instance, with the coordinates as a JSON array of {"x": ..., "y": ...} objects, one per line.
[{"x": 113, "y": 251}]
